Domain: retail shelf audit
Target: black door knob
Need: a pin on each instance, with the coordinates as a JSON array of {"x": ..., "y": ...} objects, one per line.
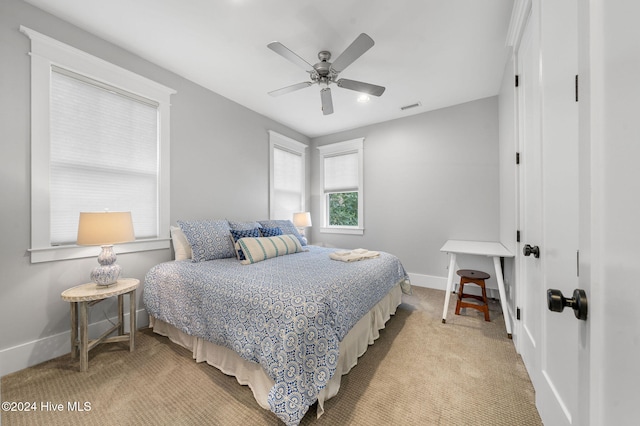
[
  {"x": 527, "y": 250},
  {"x": 556, "y": 302}
]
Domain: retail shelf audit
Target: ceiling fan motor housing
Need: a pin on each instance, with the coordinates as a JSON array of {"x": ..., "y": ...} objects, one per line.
[{"x": 323, "y": 68}]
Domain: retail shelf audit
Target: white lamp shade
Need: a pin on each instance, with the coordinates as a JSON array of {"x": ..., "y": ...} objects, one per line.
[
  {"x": 302, "y": 219},
  {"x": 104, "y": 228}
]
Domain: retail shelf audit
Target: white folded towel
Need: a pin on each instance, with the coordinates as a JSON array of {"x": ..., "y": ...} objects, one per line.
[{"x": 353, "y": 255}]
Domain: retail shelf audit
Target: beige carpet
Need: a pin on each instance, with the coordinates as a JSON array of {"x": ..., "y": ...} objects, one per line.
[{"x": 419, "y": 372}]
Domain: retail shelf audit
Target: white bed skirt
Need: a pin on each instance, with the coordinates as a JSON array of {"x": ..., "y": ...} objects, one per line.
[{"x": 251, "y": 374}]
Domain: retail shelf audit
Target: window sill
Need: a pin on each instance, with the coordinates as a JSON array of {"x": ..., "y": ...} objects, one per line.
[
  {"x": 50, "y": 254},
  {"x": 346, "y": 231}
]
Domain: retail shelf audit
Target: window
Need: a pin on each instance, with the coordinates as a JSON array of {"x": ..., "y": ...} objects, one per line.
[
  {"x": 342, "y": 187},
  {"x": 100, "y": 140},
  {"x": 104, "y": 153},
  {"x": 287, "y": 176}
]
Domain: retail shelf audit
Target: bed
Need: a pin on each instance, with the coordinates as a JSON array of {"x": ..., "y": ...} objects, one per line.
[{"x": 288, "y": 325}]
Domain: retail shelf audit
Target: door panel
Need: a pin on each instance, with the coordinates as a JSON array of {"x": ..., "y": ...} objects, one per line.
[{"x": 559, "y": 356}]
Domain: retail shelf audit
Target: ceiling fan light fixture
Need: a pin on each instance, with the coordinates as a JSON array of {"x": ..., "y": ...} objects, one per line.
[
  {"x": 323, "y": 82},
  {"x": 363, "y": 99}
]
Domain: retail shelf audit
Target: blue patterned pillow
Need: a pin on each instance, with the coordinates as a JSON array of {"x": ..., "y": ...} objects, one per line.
[
  {"x": 270, "y": 232},
  {"x": 209, "y": 239},
  {"x": 287, "y": 228},
  {"x": 236, "y": 234},
  {"x": 243, "y": 226}
]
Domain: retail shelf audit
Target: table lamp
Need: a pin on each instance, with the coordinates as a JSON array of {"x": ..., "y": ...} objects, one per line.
[
  {"x": 302, "y": 220},
  {"x": 105, "y": 229}
]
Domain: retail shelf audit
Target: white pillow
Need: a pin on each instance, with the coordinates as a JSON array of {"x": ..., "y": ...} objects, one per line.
[{"x": 181, "y": 245}]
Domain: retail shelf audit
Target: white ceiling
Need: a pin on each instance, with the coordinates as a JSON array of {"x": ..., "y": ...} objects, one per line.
[{"x": 436, "y": 52}]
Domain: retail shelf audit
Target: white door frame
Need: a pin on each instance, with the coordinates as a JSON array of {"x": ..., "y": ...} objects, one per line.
[
  {"x": 519, "y": 19},
  {"x": 526, "y": 341},
  {"x": 610, "y": 201}
]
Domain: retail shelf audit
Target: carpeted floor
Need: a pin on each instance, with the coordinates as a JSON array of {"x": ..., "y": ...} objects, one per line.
[{"x": 419, "y": 372}]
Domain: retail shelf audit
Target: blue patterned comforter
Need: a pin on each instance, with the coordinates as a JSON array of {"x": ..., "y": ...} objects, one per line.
[{"x": 287, "y": 314}]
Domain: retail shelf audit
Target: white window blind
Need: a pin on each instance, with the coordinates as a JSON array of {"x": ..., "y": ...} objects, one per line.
[
  {"x": 288, "y": 183},
  {"x": 287, "y": 176},
  {"x": 104, "y": 155},
  {"x": 341, "y": 172},
  {"x": 341, "y": 186}
]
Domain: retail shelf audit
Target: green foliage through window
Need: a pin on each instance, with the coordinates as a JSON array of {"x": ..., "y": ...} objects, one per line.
[{"x": 343, "y": 209}]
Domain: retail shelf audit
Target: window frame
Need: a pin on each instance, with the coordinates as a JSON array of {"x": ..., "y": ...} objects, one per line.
[
  {"x": 331, "y": 150},
  {"x": 45, "y": 53},
  {"x": 276, "y": 140}
]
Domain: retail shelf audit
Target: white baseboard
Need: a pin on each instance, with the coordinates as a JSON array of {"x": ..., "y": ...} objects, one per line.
[
  {"x": 35, "y": 352},
  {"x": 440, "y": 283},
  {"x": 428, "y": 281}
]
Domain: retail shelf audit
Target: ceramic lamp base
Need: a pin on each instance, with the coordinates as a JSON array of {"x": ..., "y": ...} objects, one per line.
[{"x": 108, "y": 271}]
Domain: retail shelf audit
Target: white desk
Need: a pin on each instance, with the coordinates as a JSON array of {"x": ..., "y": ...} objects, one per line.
[{"x": 491, "y": 249}]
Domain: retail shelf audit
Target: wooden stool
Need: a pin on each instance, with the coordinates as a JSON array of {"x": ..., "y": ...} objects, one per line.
[{"x": 469, "y": 276}]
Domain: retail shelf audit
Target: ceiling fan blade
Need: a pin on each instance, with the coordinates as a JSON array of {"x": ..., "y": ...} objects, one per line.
[
  {"x": 283, "y": 51},
  {"x": 291, "y": 88},
  {"x": 327, "y": 102},
  {"x": 359, "y": 86},
  {"x": 361, "y": 44}
]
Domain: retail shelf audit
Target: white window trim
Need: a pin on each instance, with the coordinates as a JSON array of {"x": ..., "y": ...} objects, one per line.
[
  {"x": 276, "y": 140},
  {"x": 45, "y": 53},
  {"x": 346, "y": 147}
]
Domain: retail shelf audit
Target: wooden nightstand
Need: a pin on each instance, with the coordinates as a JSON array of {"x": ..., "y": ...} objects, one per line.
[{"x": 85, "y": 295}]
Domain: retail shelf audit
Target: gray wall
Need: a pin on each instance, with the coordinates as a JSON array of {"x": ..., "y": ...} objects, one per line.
[
  {"x": 428, "y": 178},
  {"x": 209, "y": 134}
]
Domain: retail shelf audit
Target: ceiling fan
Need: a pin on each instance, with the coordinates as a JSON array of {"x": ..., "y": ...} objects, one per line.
[{"x": 324, "y": 72}]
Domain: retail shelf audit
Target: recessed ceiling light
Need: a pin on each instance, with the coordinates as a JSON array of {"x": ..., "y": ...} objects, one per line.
[{"x": 363, "y": 99}]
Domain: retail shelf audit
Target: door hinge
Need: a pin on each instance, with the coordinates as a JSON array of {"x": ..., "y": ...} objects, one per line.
[
  {"x": 576, "y": 88},
  {"x": 517, "y": 82},
  {"x": 518, "y": 314},
  {"x": 517, "y": 236},
  {"x": 517, "y": 158}
]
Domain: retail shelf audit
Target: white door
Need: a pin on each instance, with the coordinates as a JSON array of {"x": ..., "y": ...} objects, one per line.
[
  {"x": 549, "y": 344},
  {"x": 557, "y": 395}
]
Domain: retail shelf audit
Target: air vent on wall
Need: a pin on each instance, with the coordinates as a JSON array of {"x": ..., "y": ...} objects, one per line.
[{"x": 406, "y": 107}]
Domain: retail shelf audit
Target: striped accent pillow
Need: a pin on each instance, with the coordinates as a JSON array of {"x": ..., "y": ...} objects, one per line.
[{"x": 263, "y": 248}]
